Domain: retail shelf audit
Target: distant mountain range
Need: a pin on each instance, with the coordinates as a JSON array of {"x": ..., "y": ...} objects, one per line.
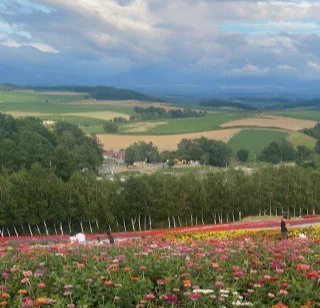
[{"x": 254, "y": 103}]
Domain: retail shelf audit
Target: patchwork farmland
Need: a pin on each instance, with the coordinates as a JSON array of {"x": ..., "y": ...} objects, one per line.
[{"x": 227, "y": 125}]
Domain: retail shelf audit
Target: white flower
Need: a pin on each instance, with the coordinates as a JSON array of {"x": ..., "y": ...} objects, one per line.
[{"x": 203, "y": 291}]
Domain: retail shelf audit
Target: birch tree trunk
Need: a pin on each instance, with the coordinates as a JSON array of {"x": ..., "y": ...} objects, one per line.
[
  {"x": 45, "y": 227},
  {"x": 29, "y": 230},
  {"x": 81, "y": 227},
  {"x": 124, "y": 225},
  {"x": 150, "y": 223},
  {"x": 139, "y": 222},
  {"x": 61, "y": 228},
  {"x": 15, "y": 230},
  {"x": 133, "y": 222},
  {"x": 174, "y": 222}
]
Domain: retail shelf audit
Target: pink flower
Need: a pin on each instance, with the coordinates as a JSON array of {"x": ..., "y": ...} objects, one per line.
[
  {"x": 283, "y": 292},
  {"x": 143, "y": 268},
  {"x": 41, "y": 285},
  {"x": 271, "y": 295},
  {"x": 5, "y": 275},
  {"x": 27, "y": 302},
  {"x": 195, "y": 296},
  {"x": 172, "y": 299},
  {"x": 303, "y": 267},
  {"x": 219, "y": 284},
  {"x": 27, "y": 273},
  {"x": 149, "y": 296},
  {"x": 68, "y": 286},
  {"x": 3, "y": 288},
  {"x": 116, "y": 298}
]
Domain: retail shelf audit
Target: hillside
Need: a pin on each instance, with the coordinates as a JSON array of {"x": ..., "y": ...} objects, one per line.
[
  {"x": 102, "y": 92},
  {"x": 217, "y": 103}
]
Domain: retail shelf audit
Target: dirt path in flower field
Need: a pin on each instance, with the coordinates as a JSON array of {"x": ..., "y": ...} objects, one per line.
[{"x": 300, "y": 222}]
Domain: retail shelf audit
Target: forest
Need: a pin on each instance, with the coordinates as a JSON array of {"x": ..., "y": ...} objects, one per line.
[
  {"x": 38, "y": 201},
  {"x": 64, "y": 148}
]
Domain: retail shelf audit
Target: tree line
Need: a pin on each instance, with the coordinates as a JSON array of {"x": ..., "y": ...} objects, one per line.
[
  {"x": 101, "y": 92},
  {"x": 150, "y": 113},
  {"x": 38, "y": 201},
  {"x": 203, "y": 150},
  {"x": 217, "y": 153}
]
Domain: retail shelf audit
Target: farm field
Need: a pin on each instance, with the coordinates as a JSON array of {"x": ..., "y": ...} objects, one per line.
[
  {"x": 209, "y": 122},
  {"x": 206, "y": 269},
  {"x": 255, "y": 140},
  {"x": 90, "y": 116},
  {"x": 297, "y": 138},
  {"x": 272, "y": 122},
  {"x": 25, "y": 103},
  {"x": 307, "y": 114},
  {"x": 166, "y": 142}
]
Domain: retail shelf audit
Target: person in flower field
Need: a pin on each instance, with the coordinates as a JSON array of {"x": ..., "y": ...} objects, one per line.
[
  {"x": 110, "y": 237},
  {"x": 284, "y": 229}
]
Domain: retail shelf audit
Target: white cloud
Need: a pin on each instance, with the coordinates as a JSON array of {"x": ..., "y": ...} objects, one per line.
[
  {"x": 285, "y": 67},
  {"x": 39, "y": 46},
  {"x": 179, "y": 36},
  {"x": 249, "y": 70},
  {"x": 314, "y": 65}
]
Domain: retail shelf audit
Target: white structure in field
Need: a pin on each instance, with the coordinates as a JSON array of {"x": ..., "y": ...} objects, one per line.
[{"x": 79, "y": 237}]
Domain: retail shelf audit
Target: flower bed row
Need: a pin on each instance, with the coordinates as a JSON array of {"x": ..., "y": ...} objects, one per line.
[
  {"x": 252, "y": 269},
  {"x": 161, "y": 232},
  {"x": 311, "y": 232}
]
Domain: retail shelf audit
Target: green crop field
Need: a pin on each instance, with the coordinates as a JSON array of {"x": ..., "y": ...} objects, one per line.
[
  {"x": 306, "y": 114},
  {"x": 52, "y": 104},
  {"x": 210, "y": 121},
  {"x": 297, "y": 138},
  {"x": 255, "y": 140}
]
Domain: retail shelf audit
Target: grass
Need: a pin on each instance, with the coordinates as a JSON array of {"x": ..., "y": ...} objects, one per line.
[
  {"x": 255, "y": 140},
  {"x": 297, "y": 138},
  {"x": 210, "y": 121},
  {"x": 52, "y": 104},
  {"x": 306, "y": 114},
  {"x": 55, "y": 107}
]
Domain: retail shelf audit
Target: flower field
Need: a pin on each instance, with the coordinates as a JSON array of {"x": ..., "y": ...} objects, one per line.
[{"x": 221, "y": 269}]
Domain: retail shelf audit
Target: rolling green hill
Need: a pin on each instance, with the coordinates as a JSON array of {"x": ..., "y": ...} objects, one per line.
[{"x": 255, "y": 140}]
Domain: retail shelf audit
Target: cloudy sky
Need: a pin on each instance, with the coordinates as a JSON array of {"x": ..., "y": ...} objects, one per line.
[{"x": 163, "y": 45}]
